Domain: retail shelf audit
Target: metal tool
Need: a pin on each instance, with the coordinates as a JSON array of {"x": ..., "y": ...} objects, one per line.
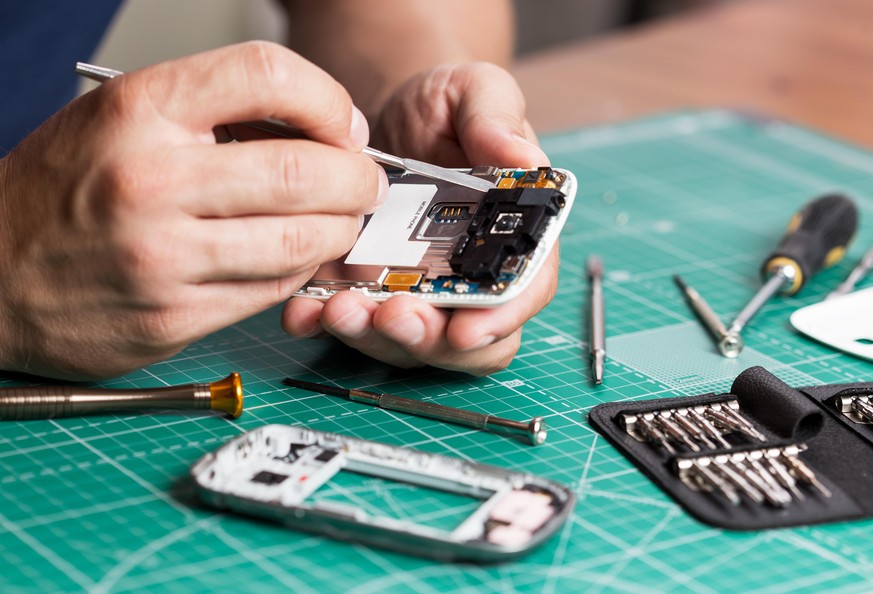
[
  {"x": 729, "y": 422},
  {"x": 279, "y": 128},
  {"x": 857, "y": 407},
  {"x": 729, "y": 345},
  {"x": 691, "y": 427},
  {"x": 800, "y": 470},
  {"x": 533, "y": 431},
  {"x": 44, "y": 402},
  {"x": 817, "y": 237},
  {"x": 597, "y": 322},
  {"x": 710, "y": 429},
  {"x": 771, "y": 475},
  {"x": 858, "y": 273}
]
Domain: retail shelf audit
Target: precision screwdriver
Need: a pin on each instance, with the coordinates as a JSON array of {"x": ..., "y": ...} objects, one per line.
[
  {"x": 817, "y": 237},
  {"x": 53, "y": 402},
  {"x": 532, "y": 431}
]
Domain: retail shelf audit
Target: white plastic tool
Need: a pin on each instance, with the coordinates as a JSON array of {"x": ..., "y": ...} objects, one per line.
[{"x": 844, "y": 323}]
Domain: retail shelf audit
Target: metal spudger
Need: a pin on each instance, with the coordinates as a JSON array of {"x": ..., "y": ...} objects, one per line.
[
  {"x": 45, "y": 402},
  {"x": 459, "y": 178},
  {"x": 597, "y": 322},
  {"x": 533, "y": 431}
]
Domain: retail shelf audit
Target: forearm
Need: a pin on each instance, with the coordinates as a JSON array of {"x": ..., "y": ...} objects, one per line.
[{"x": 372, "y": 47}]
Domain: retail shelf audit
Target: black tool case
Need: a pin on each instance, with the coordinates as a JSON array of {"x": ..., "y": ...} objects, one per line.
[{"x": 838, "y": 450}]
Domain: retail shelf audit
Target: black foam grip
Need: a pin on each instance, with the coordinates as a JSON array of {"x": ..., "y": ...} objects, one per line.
[
  {"x": 778, "y": 406},
  {"x": 826, "y": 222}
]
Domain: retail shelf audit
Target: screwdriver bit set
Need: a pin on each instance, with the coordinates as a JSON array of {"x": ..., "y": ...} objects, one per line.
[
  {"x": 771, "y": 475},
  {"x": 764, "y": 455},
  {"x": 856, "y": 407},
  {"x": 702, "y": 427}
]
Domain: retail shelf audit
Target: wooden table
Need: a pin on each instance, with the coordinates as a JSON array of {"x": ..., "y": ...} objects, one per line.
[{"x": 809, "y": 61}]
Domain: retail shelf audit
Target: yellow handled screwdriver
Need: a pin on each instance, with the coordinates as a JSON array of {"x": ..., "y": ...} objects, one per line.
[{"x": 817, "y": 237}]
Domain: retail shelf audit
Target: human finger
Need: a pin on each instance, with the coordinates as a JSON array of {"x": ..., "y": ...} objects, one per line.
[
  {"x": 196, "y": 310},
  {"x": 420, "y": 330},
  {"x": 277, "y": 177},
  {"x": 472, "y": 329},
  {"x": 249, "y": 81},
  {"x": 489, "y": 118},
  {"x": 349, "y": 317},
  {"x": 301, "y": 317},
  {"x": 265, "y": 247}
]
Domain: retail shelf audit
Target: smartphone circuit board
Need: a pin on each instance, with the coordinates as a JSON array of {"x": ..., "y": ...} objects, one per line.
[{"x": 454, "y": 246}]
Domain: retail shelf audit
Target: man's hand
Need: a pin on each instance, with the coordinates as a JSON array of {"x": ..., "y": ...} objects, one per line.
[
  {"x": 127, "y": 232},
  {"x": 454, "y": 116}
]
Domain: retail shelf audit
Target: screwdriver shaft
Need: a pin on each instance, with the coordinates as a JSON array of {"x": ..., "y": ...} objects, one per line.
[
  {"x": 597, "y": 320},
  {"x": 729, "y": 344},
  {"x": 533, "y": 431},
  {"x": 702, "y": 309},
  {"x": 770, "y": 288},
  {"x": 859, "y": 272}
]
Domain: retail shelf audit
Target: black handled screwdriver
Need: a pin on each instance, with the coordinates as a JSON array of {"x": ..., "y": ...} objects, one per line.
[{"x": 817, "y": 237}]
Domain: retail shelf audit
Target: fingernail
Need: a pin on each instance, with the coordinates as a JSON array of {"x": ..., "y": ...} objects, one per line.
[
  {"x": 354, "y": 324},
  {"x": 359, "y": 133},
  {"x": 483, "y": 342},
  {"x": 316, "y": 331},
  {"x": 407, "y": 329},
  {"x": 360, "y": 222},
  {"x": 519, "y": 138},
  {"x": 382, "y": 195},
  {"x": 541, "y": 158}
]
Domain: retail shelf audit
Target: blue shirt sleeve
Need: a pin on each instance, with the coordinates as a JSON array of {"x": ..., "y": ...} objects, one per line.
[{"x": 40, "y": 43}]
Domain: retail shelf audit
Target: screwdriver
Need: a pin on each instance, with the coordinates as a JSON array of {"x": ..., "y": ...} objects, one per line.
[
  {"x": 532, "y": 432},
  {"x": 52, "y": 402},
  {"x": 817, "y": 237}
]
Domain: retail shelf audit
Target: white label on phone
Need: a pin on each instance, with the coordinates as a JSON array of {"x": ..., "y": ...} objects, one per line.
[{"x": 385, "y": 239}]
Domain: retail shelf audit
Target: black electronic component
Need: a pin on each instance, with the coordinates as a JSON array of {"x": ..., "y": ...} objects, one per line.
[
  {"x": 508, "y": 223},
  {"x": 326, "y": 456},
  {"x": 531, "y": 177},
  {"x": 269, "y": 478}
]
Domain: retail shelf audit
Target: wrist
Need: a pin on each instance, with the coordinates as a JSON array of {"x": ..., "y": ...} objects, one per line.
[{"x": 8, "y": 342}]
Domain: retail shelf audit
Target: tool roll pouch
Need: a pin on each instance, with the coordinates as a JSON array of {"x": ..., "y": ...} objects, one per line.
[{"x": 794, "y": 434}]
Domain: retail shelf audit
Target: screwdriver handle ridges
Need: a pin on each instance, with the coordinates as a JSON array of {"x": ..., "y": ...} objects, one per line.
[{"x": 816, "y": 238}]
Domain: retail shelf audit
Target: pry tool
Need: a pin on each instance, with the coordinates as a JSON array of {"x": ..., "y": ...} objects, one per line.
[
  {"x": 101, "y": 74},
  {"x": 817, "y": 237}
]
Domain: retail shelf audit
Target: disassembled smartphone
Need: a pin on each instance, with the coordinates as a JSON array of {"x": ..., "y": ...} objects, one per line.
[
  {"x": 451, "y": 245},
  {"x": 273, "y": 471}
]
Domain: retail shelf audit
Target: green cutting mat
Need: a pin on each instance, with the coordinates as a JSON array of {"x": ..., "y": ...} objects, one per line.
[{"x": 101, "y": 503}]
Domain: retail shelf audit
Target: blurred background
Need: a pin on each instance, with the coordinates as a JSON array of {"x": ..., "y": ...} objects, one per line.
[{"x": 148, "y": 31}]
